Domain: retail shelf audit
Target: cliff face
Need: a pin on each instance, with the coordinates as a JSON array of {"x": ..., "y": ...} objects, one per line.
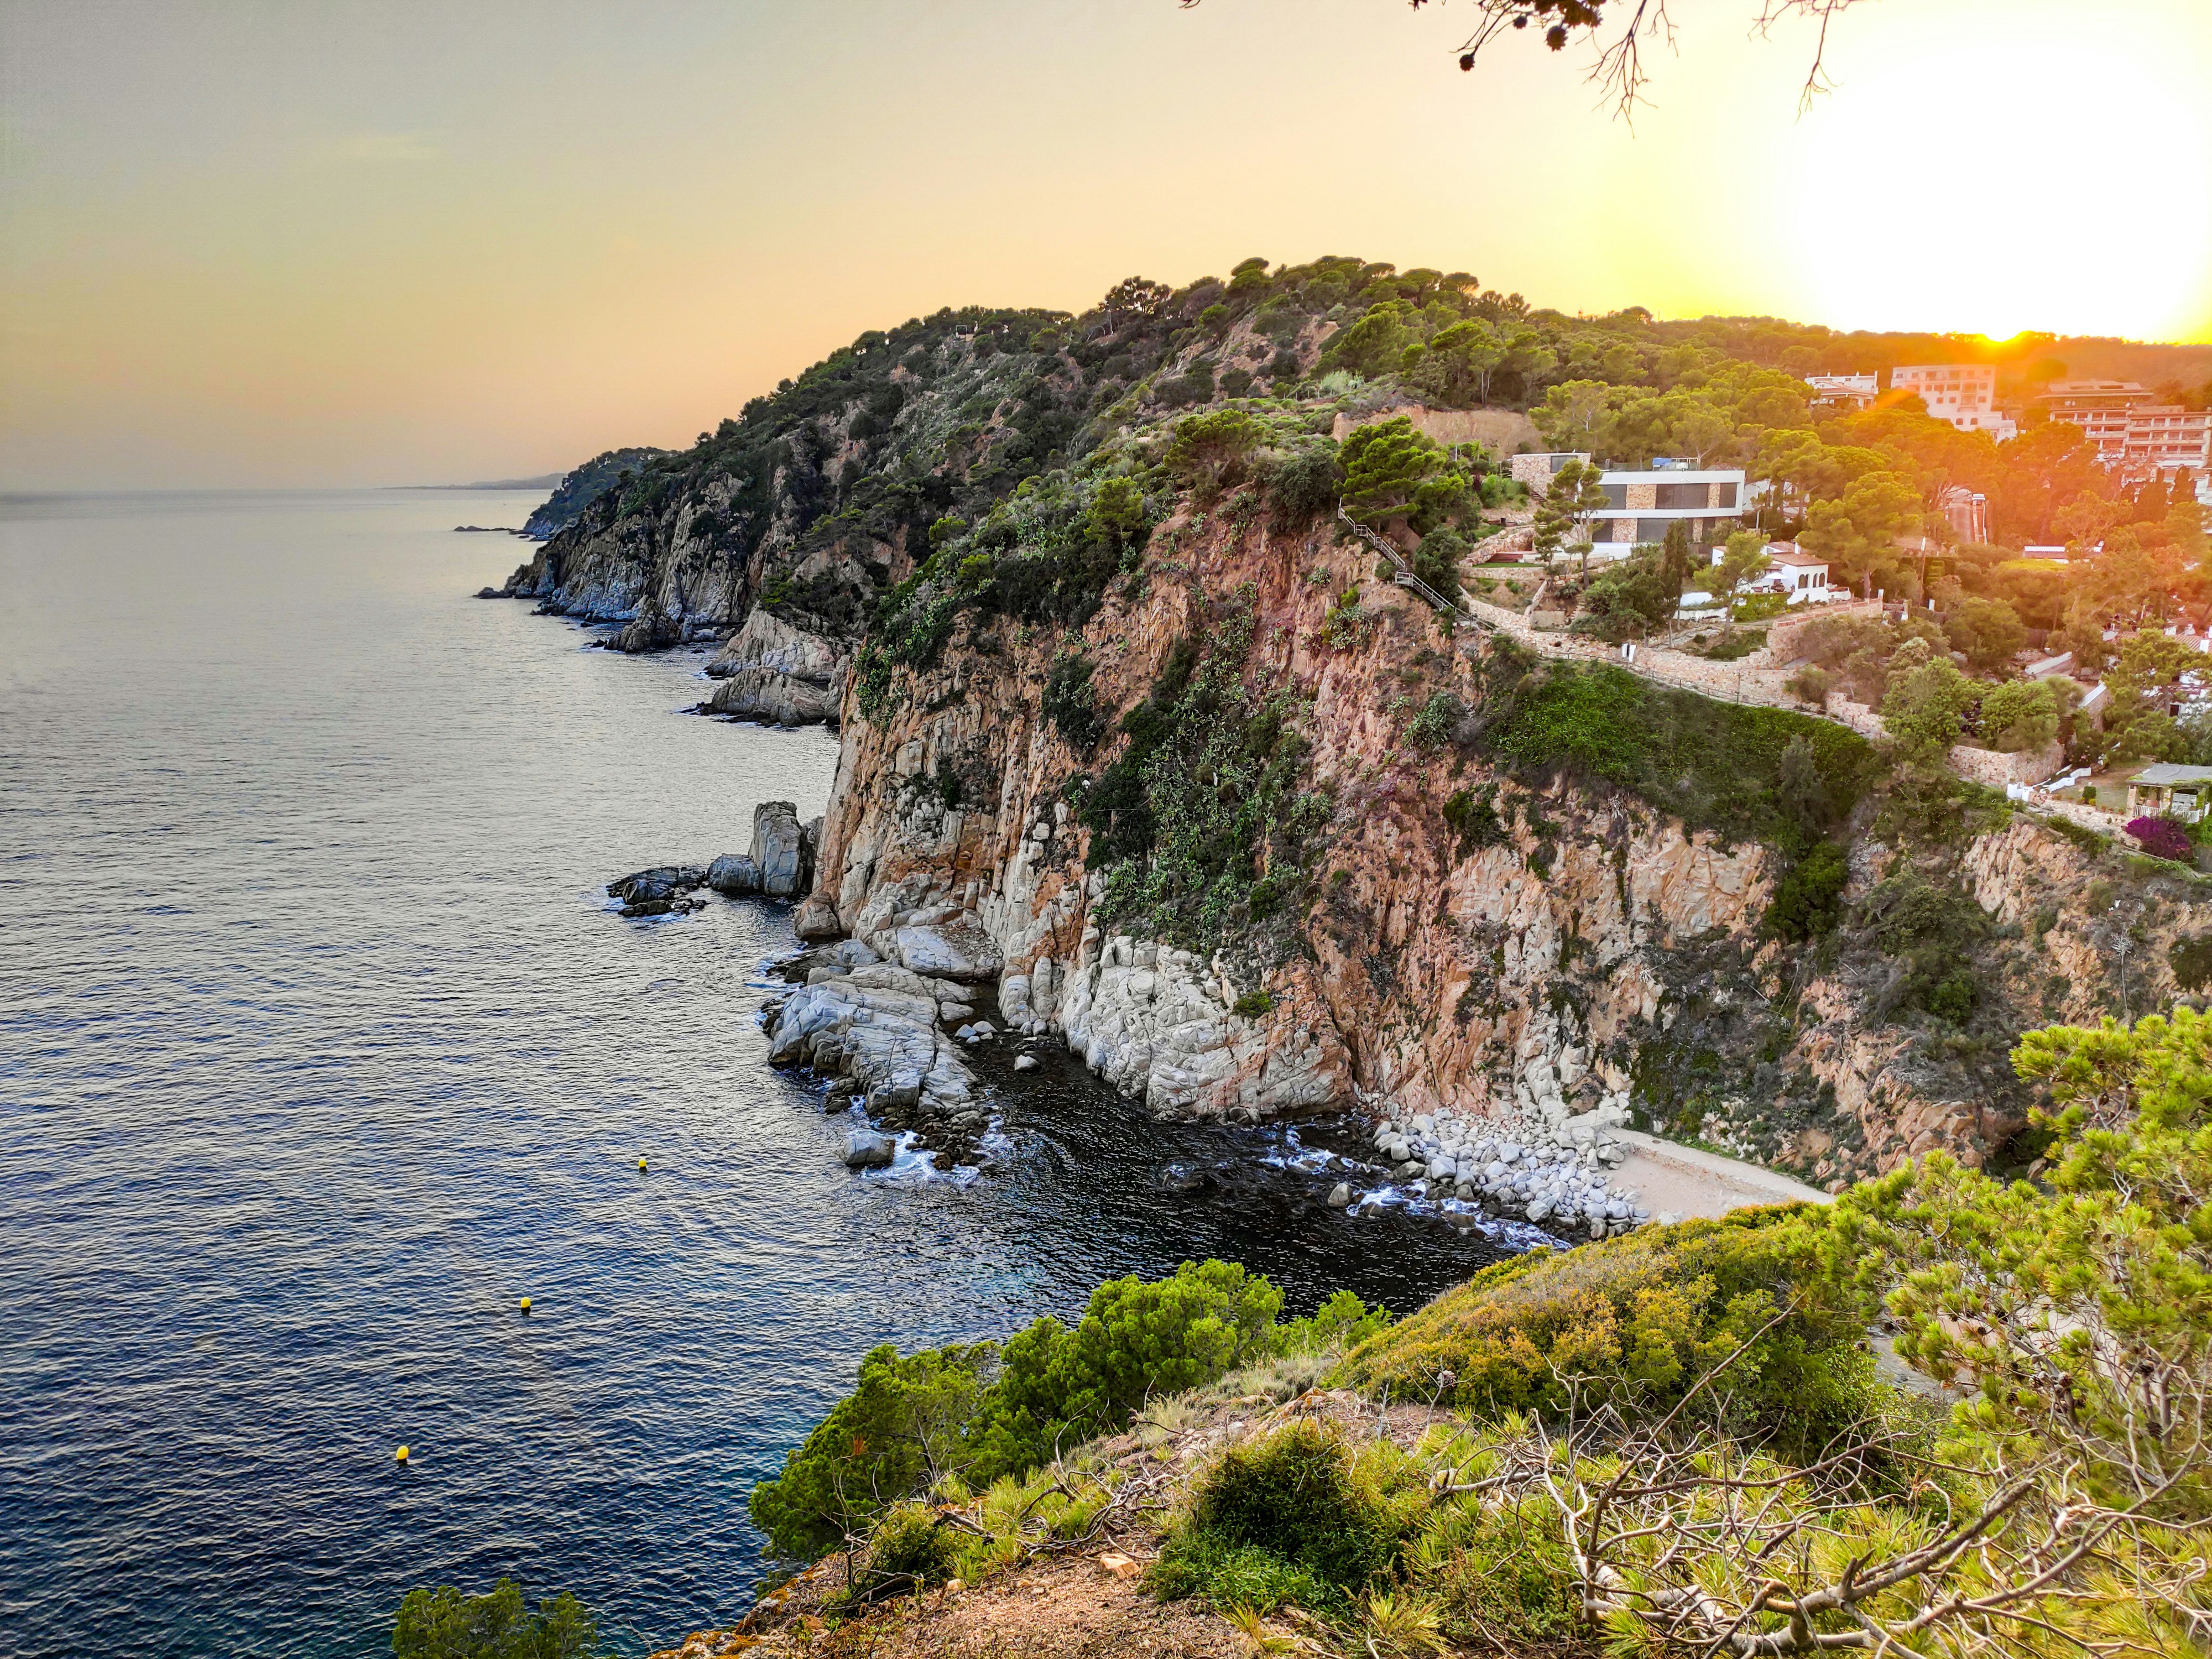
[
  {"x": 1122, "y": 724},
  {"x": 1578, "y": 944}
]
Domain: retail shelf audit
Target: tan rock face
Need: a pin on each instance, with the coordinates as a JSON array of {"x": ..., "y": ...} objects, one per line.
[{"x": 1597, "y": 946}]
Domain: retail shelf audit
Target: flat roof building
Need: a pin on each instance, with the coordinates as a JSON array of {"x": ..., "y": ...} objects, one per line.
[
  {"x": 1538, "y": 471},
  {"x": 2134, "y": 433},
  {"x": 1641, "y": 505},
  {"x": 1964, "y": 394}
]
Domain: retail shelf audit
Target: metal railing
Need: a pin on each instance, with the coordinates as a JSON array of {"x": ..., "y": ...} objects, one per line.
[{"x": 1405, "y": 577}]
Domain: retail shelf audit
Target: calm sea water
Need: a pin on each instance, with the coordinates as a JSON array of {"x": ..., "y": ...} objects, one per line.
[{"x": 319, "y": 1049}]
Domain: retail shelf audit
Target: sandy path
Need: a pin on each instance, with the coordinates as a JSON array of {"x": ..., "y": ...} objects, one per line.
[{"x": 1682, "y": 1181}]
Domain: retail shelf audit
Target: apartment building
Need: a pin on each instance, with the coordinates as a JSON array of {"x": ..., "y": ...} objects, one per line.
[
  {"x": 1964, "y": 394},
  {"x": 2133, "y": 431},
  {"x": 2165, "y": 438}
]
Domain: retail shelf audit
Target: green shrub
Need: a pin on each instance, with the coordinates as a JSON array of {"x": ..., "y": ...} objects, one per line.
[
  {"x": 445, "y": 1624},
  {"x": 1808, "y": 685},
  {"x": 1302, "y": 486},
  {"x": 2191, "y": 960},
  {"x": 1508, "y": 1573},
  {"x": 1253, "y": 1004},
  {"x": 1475, "y": 820},
  {"x": 1229, "y": 1575},
  {"x": 1292, "y": 1515},
  {"x": 1716, "y": 766},
  {"x": 1436, "y": 561},
  {"x": 1929, "y": 930},
  {"x": 2019, "y": 716},
  {"x": 1209, "y": 451},
  {"x": 1432, "y": 725},
  {"x": 908, "y": 1544},
  {"x": 1296, "y": 1492},
  {"x": 988, "y": 1410},
  {"x": 1069, "y": 705},
  {"x": 1058, "y": 1386},
  {"x": 1632, "y": 1320},
  {"x": 1809, "y": 899},
  {"x": 908, "y": 1416}
]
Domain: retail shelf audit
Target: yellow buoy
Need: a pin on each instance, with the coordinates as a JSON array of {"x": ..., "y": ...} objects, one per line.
[
  {"x": 640, "y": 1164},
  {"x": 526, "y": 1304},
  {"x": 401, "y": 1455}
]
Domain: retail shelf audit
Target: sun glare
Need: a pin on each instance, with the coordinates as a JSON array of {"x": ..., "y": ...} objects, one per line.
[{"x": 2030, "y": 181}]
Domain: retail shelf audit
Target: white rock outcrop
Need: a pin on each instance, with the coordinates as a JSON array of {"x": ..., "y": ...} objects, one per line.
[{"x": 876, "y": 1025}]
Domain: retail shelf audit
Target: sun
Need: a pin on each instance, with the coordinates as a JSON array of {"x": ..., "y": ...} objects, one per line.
[{"x": 2032, "y": 179}]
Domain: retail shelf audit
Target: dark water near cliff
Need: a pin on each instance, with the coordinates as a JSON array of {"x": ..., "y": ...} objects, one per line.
[{"x": 318, "y": 1049}]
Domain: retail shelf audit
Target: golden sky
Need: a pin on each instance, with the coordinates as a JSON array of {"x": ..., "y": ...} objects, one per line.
[{"x": 267, "y": 242}]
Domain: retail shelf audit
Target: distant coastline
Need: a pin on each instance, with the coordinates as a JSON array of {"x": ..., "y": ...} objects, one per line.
[{"x": 545, "y": 481}]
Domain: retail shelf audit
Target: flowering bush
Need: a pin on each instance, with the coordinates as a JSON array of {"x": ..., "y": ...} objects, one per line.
[{"x": 2161, "y": 838}]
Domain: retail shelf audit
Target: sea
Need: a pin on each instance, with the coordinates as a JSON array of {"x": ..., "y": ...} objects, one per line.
[{"x": 321, "y": 1047}]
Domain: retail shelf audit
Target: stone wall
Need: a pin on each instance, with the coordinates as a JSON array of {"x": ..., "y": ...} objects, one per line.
[{"x": 1988, "y": 766}]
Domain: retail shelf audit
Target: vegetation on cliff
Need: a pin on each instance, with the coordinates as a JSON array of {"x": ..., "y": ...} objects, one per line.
[
  {"x": 1745, "y": 773},
  {"x": 582, "y": 486},
  {"x": 818, "y": 498},
  {"x": 989, "y": 1411},
  {"x": 1672, "y": 1442},
  {"x": 1635, "y": 1322}
]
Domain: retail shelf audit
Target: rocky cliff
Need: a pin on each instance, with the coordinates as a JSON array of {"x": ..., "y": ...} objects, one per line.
[
  {"x": 1134, "y": 735},
  {"x": 1441, "y": 914}
]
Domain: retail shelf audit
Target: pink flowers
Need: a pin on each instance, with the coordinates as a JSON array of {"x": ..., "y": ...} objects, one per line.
[{"x": 2161, "y": 838}]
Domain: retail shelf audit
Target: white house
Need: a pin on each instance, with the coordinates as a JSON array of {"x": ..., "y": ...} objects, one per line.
[
  {"x": 1789, "y": 571},
  {"x": 1845, "y": 391},
  {"x": 1799, "y": 575}
]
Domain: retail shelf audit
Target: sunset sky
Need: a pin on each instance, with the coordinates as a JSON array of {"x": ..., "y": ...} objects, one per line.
[{"x": 278, "y": 244}]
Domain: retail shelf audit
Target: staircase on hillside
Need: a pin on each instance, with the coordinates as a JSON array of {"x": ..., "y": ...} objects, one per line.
[{"x": 1405, "y": 576}]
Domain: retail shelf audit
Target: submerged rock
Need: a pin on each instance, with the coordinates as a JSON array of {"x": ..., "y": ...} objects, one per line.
[{"x": 662, "y": 882}]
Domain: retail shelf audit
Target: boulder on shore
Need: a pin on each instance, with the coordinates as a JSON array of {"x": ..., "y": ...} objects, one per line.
[
  {"x": 767, "y": 695},
  {"x": 779, "y": 850},
  {"x": 735, "y": 874},
  {"x": 958, "y": 948},
  {"x": 865, "y": 1149},
  {"x": 646, "y": 634},
  {"x": 818, "y": 919},
  {"x": 769, "y": 641}
]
